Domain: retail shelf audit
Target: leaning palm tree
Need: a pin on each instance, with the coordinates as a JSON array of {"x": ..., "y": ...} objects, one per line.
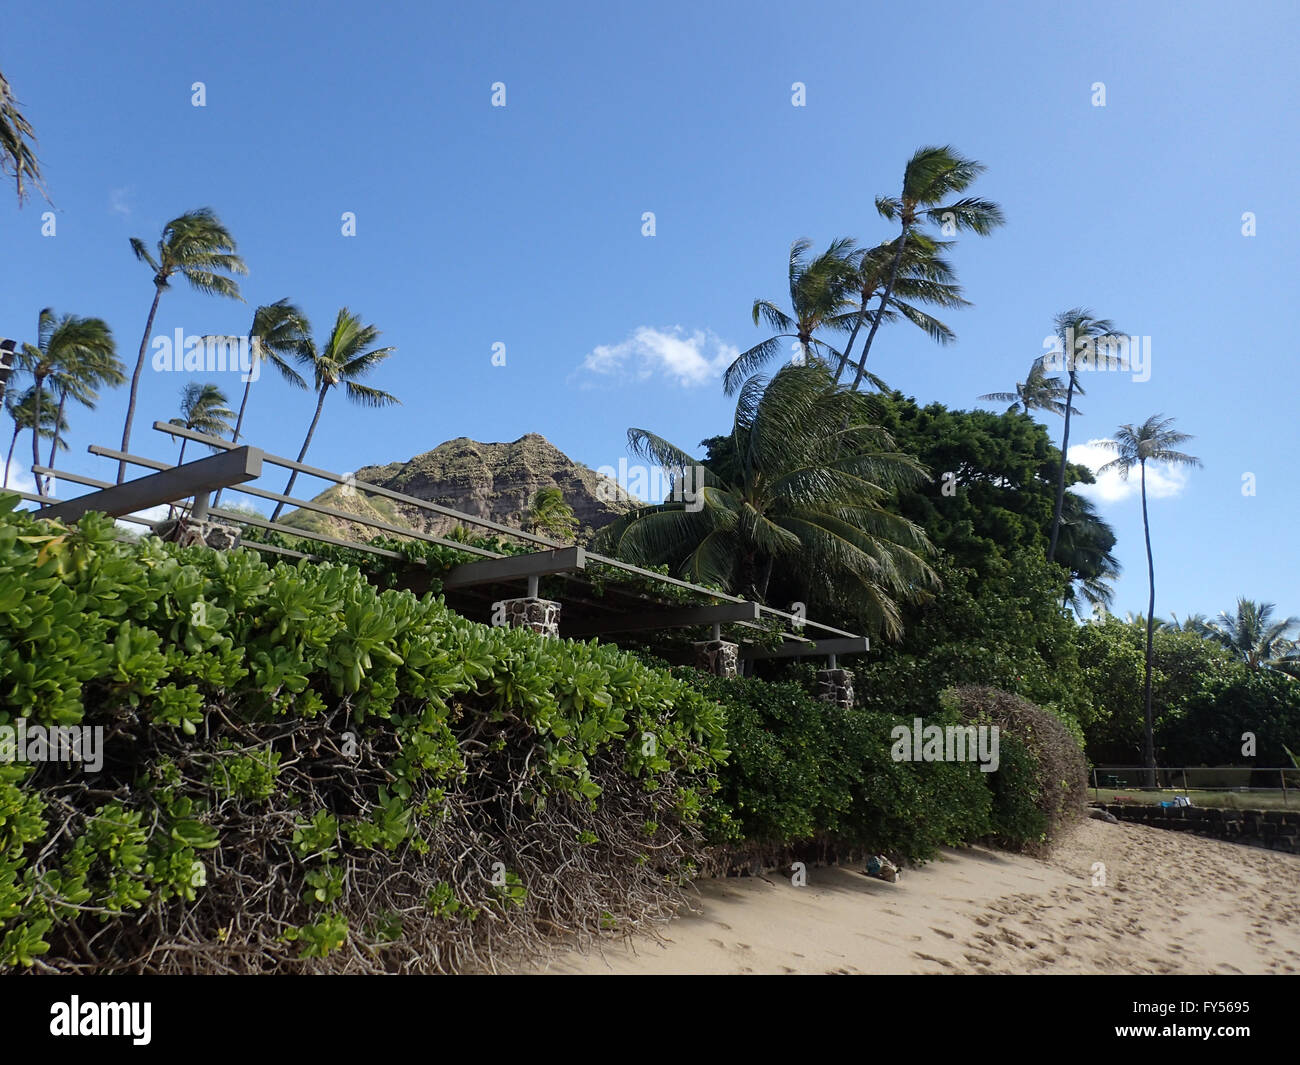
[
  {"x": 27, "y": 411},
  {"x": 1085, "y": 550},
  {"x": 278, "y": 334},
  {"x": 1252, "y": 635},
  {"x": 346, "y": 357},
  {"x": 18, "y": 145},
  {"x": 931, "y": 176},
  {"x": 1153, "y": 441},
  {"x": 71, "y": 352},
  {"x": 808, "y": 492},
  {"x": 1076, "y": 329},
  {"x": 818, "y": 292},
  {"x": 1037, "y": 391},
  {"x": 203, "y": 410},
  {"x": 924, "y": 276},
  {"x": 548, "y": 512},
  {"x": 198, "y": 248},
  {"x": 80, "y": 378}
]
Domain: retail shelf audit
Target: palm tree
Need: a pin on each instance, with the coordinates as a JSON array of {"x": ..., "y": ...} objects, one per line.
[
  {"x": 1195, "y": 623},
  {"x": 1253, "y": 636},
  {"x": 346, "y": 357},
  {"x": 1086, "y": 551},
  {"x": 923, "y": 276},
  {"x": 204, "y": 410},
  {"x": 279, "y": 332},
  {"x": 28, "y": 410},
  {"x": 72, "y": 352},
  {"x": 930, "y": 177},
  {"x": 80, "y": 378},
  {"x": 1075, "y": 328},
  {"x": 1153, "y": 441},
  {"x": 549, "y": 513},
  {"x": 17, "y": 145},
  {"x": 801, "y": 491},
  {"x": 199, "y": 248},
  {"x": 1037, "y": 391},
  {"x": 818, "y": 292}
]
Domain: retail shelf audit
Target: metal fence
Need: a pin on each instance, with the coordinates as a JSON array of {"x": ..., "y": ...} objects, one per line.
[{"x": 1226, "y": 779}]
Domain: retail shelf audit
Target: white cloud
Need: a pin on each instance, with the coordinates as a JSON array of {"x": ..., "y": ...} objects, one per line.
[
  {"x": 117, "y": 201},
  {"x": 1163, "y": 482},
  {"x": 697, "y": 358},
  {"x": 20, "y": 476}
]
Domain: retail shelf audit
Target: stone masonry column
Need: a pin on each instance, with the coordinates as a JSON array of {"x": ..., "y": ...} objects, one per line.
[
  {"x": 530, "y": 612},
  {"x": 718, "y": 657},
  {"x": 835, "y": 686}
]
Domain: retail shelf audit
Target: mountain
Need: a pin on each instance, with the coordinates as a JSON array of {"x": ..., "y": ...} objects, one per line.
[{"x": 495, "y": 481}]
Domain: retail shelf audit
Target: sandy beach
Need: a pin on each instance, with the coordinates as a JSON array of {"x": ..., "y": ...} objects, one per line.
[{"x": 1171, "y": 903}]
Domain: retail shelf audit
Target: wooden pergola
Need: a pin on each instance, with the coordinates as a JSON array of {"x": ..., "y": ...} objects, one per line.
[{"x": 601, "y": 596}]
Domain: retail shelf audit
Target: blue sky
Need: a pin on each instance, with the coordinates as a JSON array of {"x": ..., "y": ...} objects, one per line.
[{"x": 522, "y": 225}]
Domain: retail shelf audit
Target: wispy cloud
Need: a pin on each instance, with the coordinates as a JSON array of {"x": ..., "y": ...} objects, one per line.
[
  {"x": 696, "y": 358},
  {"x": 117, "y": 201},
  {"x": 1163, "y": 482}
]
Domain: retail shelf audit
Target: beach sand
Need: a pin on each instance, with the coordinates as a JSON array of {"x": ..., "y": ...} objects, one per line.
[{"x": 1171, "y": 903}]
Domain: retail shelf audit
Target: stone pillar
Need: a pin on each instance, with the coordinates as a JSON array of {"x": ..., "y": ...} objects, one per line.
[
  {"x": 835, "y": 686},
  {"x": 210, "y": 532},
  {"x": 530, "y": 612},
  {"x": 717, "y": 657}
]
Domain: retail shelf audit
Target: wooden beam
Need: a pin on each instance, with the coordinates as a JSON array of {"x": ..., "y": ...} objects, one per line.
[
  {"x": 722, "y": 614},
  {"x": 192, "y": 479},
  {"x": 516, "y": 567},
  {"x": 813, "y": 649}
]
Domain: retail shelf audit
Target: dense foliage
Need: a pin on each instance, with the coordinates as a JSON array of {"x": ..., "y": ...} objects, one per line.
[
  {"x": 1041, "y": 784},
  {"x": 299, "y": 766}
]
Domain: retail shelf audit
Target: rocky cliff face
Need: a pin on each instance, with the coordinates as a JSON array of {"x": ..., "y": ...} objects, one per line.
[{"x": 495, "y": 481}]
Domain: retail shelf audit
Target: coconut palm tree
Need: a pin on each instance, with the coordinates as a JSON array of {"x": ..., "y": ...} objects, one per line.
[
  {"x": 278, "y": 334},
  {"x": 924, "y": 276},
  {"x": 807, "y": 488},
  {"x": 1156, "y": 441},
  {"x": 549, "y": 513},
  {"x": 931, "y": 176},
  {"x": 1252, "y": 635},
  {"x": 1195, "y": 623},
  {"x": 200, "y": 249},
  {"x": 1085, "y": 550},
  {"x": 1037, "y": 391},
  {"x": 71, "y": 352},
  {"x": 18, "y": 145},
  {"x": 28, "y": 410},
  {"x": 818, "y": 293},
  {"x": 203, "y": 410},
  {"x": 1078, "y": 333},
  {"x": 80, "y": 378},
  {"x": 345, "y": 358}
]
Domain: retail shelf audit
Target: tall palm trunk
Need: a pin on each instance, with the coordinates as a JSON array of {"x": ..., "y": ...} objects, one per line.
[
  {"x": 36, "y": 433},
  {"x": 1060, "y": 477},
  {"x": 288, "y": 489},
  {"x": 848, "y": 348},
  {"x": 54, "y": 444},
  {"x": 884, "y": 300},
  {"x": 135, "y": 380},
  {"x": 1149, "y": 740},
  {"x": 239, "y": 424},
  {"x": 10, "y": 457}
]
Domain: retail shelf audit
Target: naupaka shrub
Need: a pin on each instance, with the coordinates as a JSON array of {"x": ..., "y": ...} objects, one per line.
[{"x": 304, "y": 772}]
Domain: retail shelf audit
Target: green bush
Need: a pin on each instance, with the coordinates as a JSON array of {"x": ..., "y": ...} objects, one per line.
[
  {"x": 302, "y": 771},
  {"x": 805, "y": 771},
  {"x": 1042, "y": 779}
]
